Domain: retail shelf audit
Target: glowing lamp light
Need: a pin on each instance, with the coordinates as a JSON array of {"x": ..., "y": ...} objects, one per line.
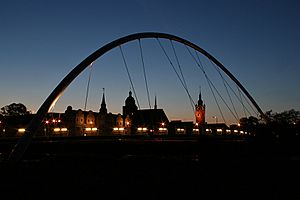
[
  {"x": 88, "y": 129},
  {"x": 21, "y": 130},
  {"x": 115, "y": 129},
  {"x": 139, "y": 129},
  {"x": 56, "y": 129},
  {"x": 94, "y": 129},
  {"x": 64, "y": 129}
]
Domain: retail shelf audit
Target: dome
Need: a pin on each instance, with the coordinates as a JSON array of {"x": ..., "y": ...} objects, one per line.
[{"x": 129, "y": 100}]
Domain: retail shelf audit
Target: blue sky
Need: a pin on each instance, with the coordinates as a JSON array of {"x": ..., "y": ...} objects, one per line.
[{"x": 41, "y": 41}]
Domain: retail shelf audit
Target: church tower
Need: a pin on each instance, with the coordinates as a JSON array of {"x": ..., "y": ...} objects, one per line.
[{"x": 200, "y": 111}]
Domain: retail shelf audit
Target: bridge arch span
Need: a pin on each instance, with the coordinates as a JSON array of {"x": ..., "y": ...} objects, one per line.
[{"x": 24, "y": 141}]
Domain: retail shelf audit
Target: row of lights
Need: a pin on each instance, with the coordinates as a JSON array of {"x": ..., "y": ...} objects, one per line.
[
  {"x": 219, "y": 130},
  {"x": 91, "y": 129},
  {"x": 60, "y": 129},
  {"x": 54, "y": 121}
]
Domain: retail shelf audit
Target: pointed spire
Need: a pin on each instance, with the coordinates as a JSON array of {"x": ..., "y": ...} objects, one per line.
[
  {"x": 200, "y": 102},
  {"x": 103, "y": 104},
  {"x": 155, "y": 103},
  {"x": 103, "y": 98}
]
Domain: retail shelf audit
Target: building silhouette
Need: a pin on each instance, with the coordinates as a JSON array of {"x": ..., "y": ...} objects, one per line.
[{"x": 132, "y": 121}]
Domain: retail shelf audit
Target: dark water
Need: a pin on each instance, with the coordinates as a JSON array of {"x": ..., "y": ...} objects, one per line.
[{"x": 153, "y": 169}]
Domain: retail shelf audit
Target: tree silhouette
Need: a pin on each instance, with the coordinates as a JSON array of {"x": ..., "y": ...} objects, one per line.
[{"x": 14, "y": 109}]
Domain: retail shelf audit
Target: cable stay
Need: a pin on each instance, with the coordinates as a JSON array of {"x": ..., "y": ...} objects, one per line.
[
  {"x": 180, "y": 69},
  {"x": 129, "y": 77},
  {"x": 178, "y": 76},
  {"x": 224, "y": 83},
  {"x": 144, "y": 71},
  {"x": 210, "y": 84},
  {"x": 251, "y": 106},
  {"x": 239, "y": 98},
  {"x": 88, "y": 86},
  {"x": 179, "y": 66},
  {"x": 242, "y": 102}
]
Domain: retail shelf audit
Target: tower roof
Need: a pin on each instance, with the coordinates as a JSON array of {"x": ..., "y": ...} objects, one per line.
[
  {"x": 103, "y": 108},
  {"x": 129, "y": 100},
  {"x": 200, "y": 102}
]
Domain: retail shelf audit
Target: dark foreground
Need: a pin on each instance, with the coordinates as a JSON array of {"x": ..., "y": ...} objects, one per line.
[{"x": 160, "y": 168}]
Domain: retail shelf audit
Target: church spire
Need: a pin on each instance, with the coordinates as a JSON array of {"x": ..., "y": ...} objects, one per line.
[
  {"x": 103, "y": 104},
  {"x": 200, "y": 102},
  {"x": 155, "y": 103}
]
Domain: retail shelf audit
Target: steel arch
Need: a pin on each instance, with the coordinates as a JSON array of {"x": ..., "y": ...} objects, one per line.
[{"x": 24, "y": 141}]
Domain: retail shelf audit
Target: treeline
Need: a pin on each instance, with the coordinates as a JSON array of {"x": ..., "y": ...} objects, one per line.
[{"x": 283, "y": 125}]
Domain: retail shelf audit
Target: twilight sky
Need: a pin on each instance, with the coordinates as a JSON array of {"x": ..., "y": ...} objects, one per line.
[{"x": 41, "y": 41}]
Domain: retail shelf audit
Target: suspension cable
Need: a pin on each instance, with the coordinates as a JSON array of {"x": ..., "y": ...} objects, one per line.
[
  {"x": 210, "y": 84},
  {"x": 242, "y": 102},
  {"x": 181, "y": 81},
  {"x": 130, "y": 80},
  {"x": 239, "y": 98},
  {"x": 180, "y": 69},
  {"x": 251, "y": 106},
  {"x": 224, "y": 83},
  {"x": 145, "y": 77},
  {"x": 179, "y": 66},
  {"x": 240, "y": 93},
  {"x": 88, "y": 86}
]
